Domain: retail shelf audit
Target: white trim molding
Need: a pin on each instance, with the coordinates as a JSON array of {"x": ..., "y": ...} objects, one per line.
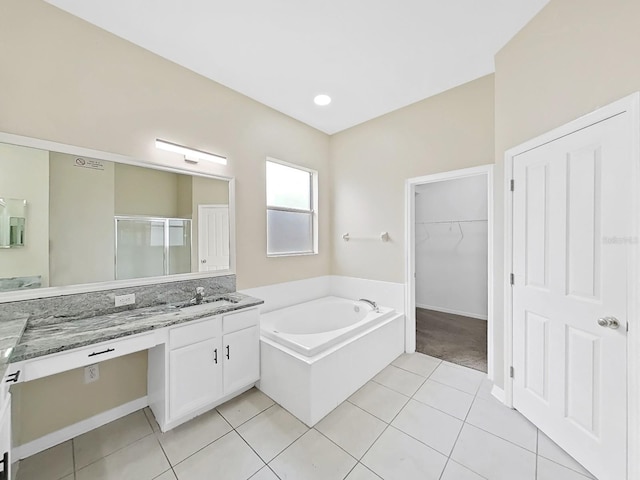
[
  {"x": 410, "y": 253},
  {"x": 631, "y": 105},
  {"x": 67, "y": 433}
]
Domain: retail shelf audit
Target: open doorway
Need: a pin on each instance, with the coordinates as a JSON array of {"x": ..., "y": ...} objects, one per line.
[{"x": 449, "y": 281}]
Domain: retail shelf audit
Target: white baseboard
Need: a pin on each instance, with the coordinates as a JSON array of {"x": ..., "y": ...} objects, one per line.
[
  {"x": 450, "y": 310},
  {"x": 498, "y": 393},
  {"x": 67, "y": 433}
]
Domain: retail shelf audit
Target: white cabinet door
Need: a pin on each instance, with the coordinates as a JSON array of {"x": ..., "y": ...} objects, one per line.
[
  {"x": 572, "y": 196},
  {"x": 241, "y": 358},
  {"x": 5, "y": 438},
  {"x": 195, "y": 377}
]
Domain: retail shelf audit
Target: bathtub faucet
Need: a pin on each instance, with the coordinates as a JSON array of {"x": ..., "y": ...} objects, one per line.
[{"x": 372, "y": 303}]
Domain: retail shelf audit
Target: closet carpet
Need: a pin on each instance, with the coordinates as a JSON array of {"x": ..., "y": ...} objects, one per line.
[{"x": 454, "y": 338}]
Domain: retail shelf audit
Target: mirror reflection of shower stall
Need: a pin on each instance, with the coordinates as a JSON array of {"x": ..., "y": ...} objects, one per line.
[{"x": 150, "y": 247}]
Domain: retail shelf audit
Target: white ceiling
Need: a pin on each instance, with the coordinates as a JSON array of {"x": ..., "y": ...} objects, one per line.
[{"x": 370, "y": 56}]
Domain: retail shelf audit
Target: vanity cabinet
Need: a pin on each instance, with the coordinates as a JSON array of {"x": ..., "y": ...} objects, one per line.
[
  {"x": 241, "y": 358},
  {"x": 195, "y": 377},
  {"x": 208, "y": 362},
  {"x": 5, "y": 435}
]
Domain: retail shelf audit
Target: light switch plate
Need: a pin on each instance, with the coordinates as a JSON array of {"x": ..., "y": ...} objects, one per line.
[{"x": 125, "y": 299}]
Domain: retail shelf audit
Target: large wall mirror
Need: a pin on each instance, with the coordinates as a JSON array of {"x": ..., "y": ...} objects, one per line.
[{"x": 89, "y": 219}]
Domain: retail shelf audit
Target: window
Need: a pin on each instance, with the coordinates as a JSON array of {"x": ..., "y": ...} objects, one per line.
[{"x": 291, "y": 218}]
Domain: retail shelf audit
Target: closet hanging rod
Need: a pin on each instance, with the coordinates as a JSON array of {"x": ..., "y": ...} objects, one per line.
[{"x": 452, "y": 221}]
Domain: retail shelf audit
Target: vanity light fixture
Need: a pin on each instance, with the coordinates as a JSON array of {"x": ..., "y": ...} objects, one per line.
[
  {"x": 322, "y": 100},
  {"x": 190, "y": 155}
]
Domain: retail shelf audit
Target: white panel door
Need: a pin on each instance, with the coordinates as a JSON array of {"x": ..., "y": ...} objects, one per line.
[
  {"x": 572, "y": 208},
  {"x": 213, "y": 237}
]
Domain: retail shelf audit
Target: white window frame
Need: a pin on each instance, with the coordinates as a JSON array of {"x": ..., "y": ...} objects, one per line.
[{"x": 313, "y": 178}]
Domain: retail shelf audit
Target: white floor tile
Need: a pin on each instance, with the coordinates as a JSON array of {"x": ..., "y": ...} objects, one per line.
[
  {"x": 52, "y": 464},
  {"x": 142, "y": 460},
  {"x": 313, "y": 457},
  {"x": 504, "y": 422},
  {"x": 485, "y": 390},
  {"x": 400, "y": 380},
  {"x": 188, "y": 438},
  {"x": 462, "y": 378},
  {"x": 419, "y": 363},
  {"x": 455, "y": 471},
  {"x": 265, "y": 474},
  {"x": 549, "y": 449},
  {"x": 152, "y": 419},
  {"x": 397, "y": 456},
  {"x": 378, "y": 400},
  {"x": 351, "y": 428},
  {"x": 244, "y": 407},
  {"x": 109, "y": 438},
  {"x": 548, "y": 470},
  {"x": 270, "y": 432},
  {"x": 228, "y": 457},
  {"x": 445, "y": 398},
  {"x": 493, "y": 457},
  {"x": 432, "y": 427},
  {"x": 168, "y": 475},
  {"x": 360, "y": 472}
]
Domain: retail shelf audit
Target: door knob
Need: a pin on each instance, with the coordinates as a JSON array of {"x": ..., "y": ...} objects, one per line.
[
  {"x": 203, "y": 261},
  {"x": 610, "y": 322}
]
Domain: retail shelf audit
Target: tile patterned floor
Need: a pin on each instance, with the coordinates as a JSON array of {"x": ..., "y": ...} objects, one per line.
[{"x": 420, "y": 418}]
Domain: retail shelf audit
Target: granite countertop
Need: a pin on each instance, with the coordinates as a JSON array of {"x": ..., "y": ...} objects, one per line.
[{"x": 23, "y": 338}]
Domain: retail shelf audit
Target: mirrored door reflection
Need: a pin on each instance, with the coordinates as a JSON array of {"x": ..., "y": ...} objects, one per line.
[{"x": 150, "y": 247}]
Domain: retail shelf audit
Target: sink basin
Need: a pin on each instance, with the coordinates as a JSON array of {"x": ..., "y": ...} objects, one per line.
[{"x": 192, "y": 307}]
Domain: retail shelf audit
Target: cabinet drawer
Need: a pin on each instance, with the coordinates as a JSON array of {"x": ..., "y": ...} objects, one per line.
[
  {"x": 238, "y": 320},
  {"x": 61, "y": 362},
  {"x": 194, "y": 332}
]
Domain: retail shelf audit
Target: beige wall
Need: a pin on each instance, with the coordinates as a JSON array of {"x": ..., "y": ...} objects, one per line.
[
  {"x": 24, "y": 174},
  {"x": 144, "y": 191},
  {"x": 371, "y": 162},
  {"x": 68, "y": 81},
  {"x": 81, "y": 238},
  {"x": 51, "y": 403},
  {"x": 573, "y": 57}
]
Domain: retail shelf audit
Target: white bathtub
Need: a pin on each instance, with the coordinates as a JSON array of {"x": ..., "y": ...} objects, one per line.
[
  {"x": 316, "y": 354},
  {"x": 313, "y": 327}
]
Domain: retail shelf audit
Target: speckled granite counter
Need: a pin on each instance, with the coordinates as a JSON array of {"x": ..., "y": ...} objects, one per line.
[
  {"x": 36, "y": 337},
  {"x": 11, "y": 330}
]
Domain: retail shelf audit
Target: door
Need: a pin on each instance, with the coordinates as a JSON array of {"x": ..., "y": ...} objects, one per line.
[
  {"x": 213, "y": 237},
  {"x": 242, "y": 359},
  {"x": 195, "y": 377},
  {"x": 572, "y": 210}
]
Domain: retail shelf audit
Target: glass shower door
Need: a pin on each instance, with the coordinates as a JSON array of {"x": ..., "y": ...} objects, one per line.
[{"x": 140, "y": 248}]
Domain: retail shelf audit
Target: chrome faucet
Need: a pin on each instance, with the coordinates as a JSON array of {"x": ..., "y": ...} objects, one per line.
[
  {"x": 199, "y": 295},
  {"x": 373, "y": 304}
]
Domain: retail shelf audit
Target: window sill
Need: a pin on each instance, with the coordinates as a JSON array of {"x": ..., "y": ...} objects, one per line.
[{"x": 296, "y": 254}]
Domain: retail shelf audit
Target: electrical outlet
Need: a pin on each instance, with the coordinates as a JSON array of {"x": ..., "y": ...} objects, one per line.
[
  {"x": 91, "y": 373},
  {"x": 125, "y": 299}
]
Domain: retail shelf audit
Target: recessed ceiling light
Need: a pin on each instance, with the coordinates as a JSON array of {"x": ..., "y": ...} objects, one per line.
[{"x": 322, "y": 100}]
